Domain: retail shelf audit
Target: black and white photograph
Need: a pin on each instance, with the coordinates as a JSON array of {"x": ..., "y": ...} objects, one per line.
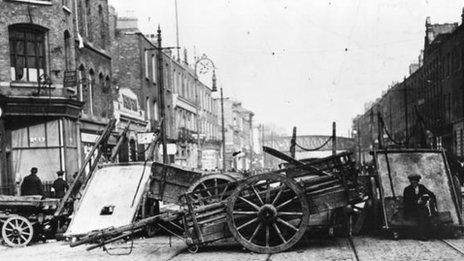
[{"x": 225, "y": 130}]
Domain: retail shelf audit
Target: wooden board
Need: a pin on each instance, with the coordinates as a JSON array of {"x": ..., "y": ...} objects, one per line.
[
  {"x": 429, "y": 165},
  {"x": 175, "y": 182},
  {"x": 116, "y": 185}
]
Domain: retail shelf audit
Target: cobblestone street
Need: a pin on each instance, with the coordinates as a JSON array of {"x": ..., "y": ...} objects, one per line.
[{"x": 158, "y": 248}]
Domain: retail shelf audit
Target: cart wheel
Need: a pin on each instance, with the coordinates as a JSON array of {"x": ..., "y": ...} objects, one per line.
[
  {"x": 17, "y": 231},
  {"x": 203, "y": 188},
  {"x": 193, "y": 249},
  {"x": 267, "y": 213}
]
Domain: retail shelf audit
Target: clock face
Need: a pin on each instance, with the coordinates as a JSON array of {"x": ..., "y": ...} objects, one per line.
[{"x": 204, "y": 66}]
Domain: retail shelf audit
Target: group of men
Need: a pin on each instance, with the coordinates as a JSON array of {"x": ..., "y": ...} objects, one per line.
[{"x": 32, "y": 185}]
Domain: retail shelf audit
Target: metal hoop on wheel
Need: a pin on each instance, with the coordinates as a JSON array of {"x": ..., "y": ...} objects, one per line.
[
  {"x": 193, "y": 250},
  {"x": 268, "y": 213},
  {"x": 204, "y": 186},
  {"x": 17, "y": 231}
]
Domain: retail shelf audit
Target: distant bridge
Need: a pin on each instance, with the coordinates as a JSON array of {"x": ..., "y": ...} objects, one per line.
[{"x": 310, "y": 142}]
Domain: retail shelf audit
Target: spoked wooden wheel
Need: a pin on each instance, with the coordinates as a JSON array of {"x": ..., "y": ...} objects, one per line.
[
  {"x": 17, "y": 231},
  {"x": 267, "y": 213},
  {"x": 215, "y": 187}
]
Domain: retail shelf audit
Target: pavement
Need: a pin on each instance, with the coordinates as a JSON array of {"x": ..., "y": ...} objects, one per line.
[{"x": 161, "y": 248}]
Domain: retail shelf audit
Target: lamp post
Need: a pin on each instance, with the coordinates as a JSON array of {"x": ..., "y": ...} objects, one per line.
[
  {"x": 223, "y": 133},
  {"x": 206, "y": 64}
]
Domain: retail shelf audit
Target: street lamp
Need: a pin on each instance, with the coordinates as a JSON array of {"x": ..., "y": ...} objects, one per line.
[{"x": 203, "y": 65}]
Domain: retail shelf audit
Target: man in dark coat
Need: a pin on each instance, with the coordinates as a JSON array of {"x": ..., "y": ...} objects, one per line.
[
  {"x": 32, "y": 185},
  {"x": 60, "y": 185},
  {"x": 419, "y": 205}
]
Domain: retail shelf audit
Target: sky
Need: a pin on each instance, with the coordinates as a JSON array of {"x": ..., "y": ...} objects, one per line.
[{"x": 303, "y": 63}]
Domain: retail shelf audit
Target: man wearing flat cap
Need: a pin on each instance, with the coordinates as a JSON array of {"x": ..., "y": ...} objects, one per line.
[
  {"x": 419, "y": 204},
  {"x": 32, "y": 185},
  {"x": 60, "y": 185}
]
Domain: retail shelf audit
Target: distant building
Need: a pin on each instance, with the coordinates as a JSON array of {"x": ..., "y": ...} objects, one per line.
[{"x": 426, "y": 109}]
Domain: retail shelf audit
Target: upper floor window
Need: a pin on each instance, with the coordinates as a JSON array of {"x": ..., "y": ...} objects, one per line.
[
  {"x": 129, "y": 103},
  {"x": 27, "y": 52}
]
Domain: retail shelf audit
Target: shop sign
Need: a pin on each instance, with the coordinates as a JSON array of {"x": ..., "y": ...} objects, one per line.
[
  {"x": 171, "y": 149},
  {"x": 145, "y": 137},
  {"x": 34, "y": 140},
  {"x": 89, "y": 137},
  {"x": 70, "y": 79}
]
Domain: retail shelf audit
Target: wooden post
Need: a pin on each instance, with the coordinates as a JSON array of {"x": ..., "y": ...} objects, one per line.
[
  {"x": 293, "y": 143},
  {"x": 159, "y": 54},
  {"x": 334, "y": 138}
]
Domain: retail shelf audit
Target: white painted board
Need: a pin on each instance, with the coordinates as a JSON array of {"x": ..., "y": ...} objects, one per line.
[{"x": 111, "y": 185}]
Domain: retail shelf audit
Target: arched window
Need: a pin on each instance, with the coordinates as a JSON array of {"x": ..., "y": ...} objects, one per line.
[
  {"x": 91, "y": 91},
  {"x": 82, "y": 82},
  {"x": 107, "y": 85},
  {"x": 27, "y": 52},
  {"x": 67, "y": 49}
]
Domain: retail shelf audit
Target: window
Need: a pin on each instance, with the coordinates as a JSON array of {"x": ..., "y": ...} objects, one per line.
[
  {"x": 146, "y": 63},
  {"x": 129, "y": 103},
  {"x": 27, "y": 52},
  {"x": 91, "y": 86},
  {"x": 89, "y": 19},
  {"x": 147, "y": 109},
  {"x": 67, "y": 49},
  {"x": 102, "y": 27},
  {"x": 153, "y": 67}
]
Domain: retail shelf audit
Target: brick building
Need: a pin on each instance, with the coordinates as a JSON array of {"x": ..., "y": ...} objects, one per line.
[
  {"x": 426, "y": 109},
  {"x": 238, "y": 123},
  {"x": 92, "y": 43},
  {"x": 47, "y": 122},
  {"x": 135, "y": 75}
]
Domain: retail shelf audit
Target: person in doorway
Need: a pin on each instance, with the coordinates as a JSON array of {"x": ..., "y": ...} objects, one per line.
[
  {"x": 32, "y": 185},
  {"x": 419, "y": 205},
  {"x": 60, "y": 186}
]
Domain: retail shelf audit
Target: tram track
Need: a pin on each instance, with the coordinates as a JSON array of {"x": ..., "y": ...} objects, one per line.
[
  {"x": 353, "y": 248},
  {"x": 453, "y": 246}
]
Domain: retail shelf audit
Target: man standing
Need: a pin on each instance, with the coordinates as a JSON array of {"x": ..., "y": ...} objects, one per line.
[
  {"x": 419, "y": 205},
  {"x": 32, "y": 185},
  {"x": 60, "y": 185}
]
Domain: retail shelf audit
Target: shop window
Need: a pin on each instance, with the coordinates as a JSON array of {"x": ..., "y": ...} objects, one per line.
[{"x": 27, "y": 52}]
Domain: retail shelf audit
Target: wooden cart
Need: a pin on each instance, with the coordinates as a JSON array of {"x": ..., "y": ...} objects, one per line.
[
  {"x": 270, "y": 212},
  {"x": 25, "y": 218},
  {"x": 266, "y": 213},
  {"x": 392, "y": 170}
]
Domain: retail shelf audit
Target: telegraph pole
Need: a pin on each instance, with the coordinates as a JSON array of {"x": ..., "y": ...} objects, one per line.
[
  {"x": 223, "y": 131},
  {"x": 334, "y": 138},
  {"x": 159, "y": 55}
]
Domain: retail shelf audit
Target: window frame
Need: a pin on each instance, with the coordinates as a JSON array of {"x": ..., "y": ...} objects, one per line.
[{"x": 40, "y": 56}]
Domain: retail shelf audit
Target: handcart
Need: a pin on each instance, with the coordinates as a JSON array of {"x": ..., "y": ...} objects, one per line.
[{"x": 27, "y": 218}]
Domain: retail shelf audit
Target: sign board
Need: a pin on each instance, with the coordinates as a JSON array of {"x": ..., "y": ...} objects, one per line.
[
  {"x": 89, "y": 137},
  {"x": 70, "y": 79},
  {"x": 171, "y": 148},
  {"x": 145, "y": 137}
]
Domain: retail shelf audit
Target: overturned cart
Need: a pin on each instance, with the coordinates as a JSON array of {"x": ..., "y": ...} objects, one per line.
[{"x": 265, "y": 213}]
